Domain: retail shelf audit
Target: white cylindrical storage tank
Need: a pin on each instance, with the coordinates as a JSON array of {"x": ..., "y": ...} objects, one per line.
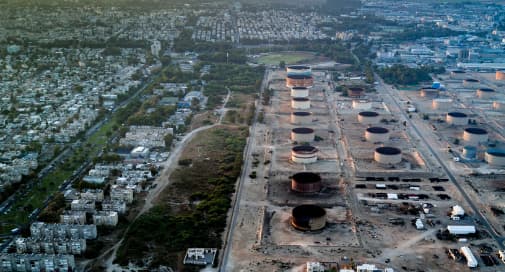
[
  {"x": 471, "y": 83},
  {"x": 474, "y": 136},
  {"x": 388, "y": 155},
  {"x": 299, "y": 92},
  {"x": 299, "y": 70},
  {"x": 470, "y": 152},
  {"x": 377, "y": 134},
  {"x": 300, "y": 103},
  {"x": 361, "y": 104},
  {"x": 485, "y": 93},
  {"x": 458, "y": 74},
  {"x": 301, "y": 117},
  {"x": 368, "y": 117},
  {"x": 499, "y": 105},
  {"x": 302, "y": 135},
  {"x": 457, "y": 118},
  {"x": 441, "y": 103},
  {"x": 500, "y": 75},
  {"x": 495, "y": 157},
  {"x": 304, "y": 154},
  {"x": 428, "y": 92}
]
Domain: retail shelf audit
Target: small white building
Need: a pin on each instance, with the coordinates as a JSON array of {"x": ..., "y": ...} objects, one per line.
[
  {"x": 461, "y": 229},
  {"x": 471, "y": 261},
  {"x": 457, "y": 211},
  {"x": 419, "y": 224},
  {"x": 140, "y": 152},
  {"x": 200, "y": 256}
]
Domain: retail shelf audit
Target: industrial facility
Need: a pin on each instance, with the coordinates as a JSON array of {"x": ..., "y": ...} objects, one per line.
[
  {"x": 377, "y": 134},
  {"x": 302, "y": 135},
  {"x": 457, "y": 118},
  {"x": 500, "y": 75},
  {"x": 306, "y": 182},
  {"x": 388, "y": 155},
  {"x": 475, "y": 136},
  {"x": 495, "y": 157},
  {"x": 308, "y": 218},
  {"x": 299, "y": 81},
  {"x": 458, "y": 74},
  {"x": 428, "y": 92},
  {"x": 301, "y": 117},
  {"x": 300, "y": 103},
  {"x": 471, "y": 83},
  {"x": 299, "y": 92},
  {"x": 347, "y": 170},
  {"x": 302, "y": 70},
  {"x": 304, "y": 154},
  {"x": 485, "y": 93},
  {"x": 368, "y": 117}
]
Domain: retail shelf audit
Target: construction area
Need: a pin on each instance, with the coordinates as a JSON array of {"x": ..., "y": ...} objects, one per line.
[{"x": 371, "y": 176}]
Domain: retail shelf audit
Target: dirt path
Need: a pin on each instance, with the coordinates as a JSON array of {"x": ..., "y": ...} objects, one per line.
[
  {"x": 403, "y": 247},
  {"x": 161, "y": 183}
]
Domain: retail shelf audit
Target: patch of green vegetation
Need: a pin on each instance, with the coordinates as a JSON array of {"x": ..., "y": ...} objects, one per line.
[
  {"x": 167, "y": 230},
  {"x": 401, "y": 74},
  {"x": 286, "y": 57},
  {"x": 238, "y": 78}
]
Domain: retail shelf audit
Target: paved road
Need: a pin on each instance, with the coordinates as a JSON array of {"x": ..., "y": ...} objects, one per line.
[
  {"x": 477, "y": 213},
  {"x": 224, "y": 265}
]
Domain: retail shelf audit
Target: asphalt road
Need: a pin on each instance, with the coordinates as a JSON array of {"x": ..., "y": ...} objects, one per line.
[{"x": 476, "y": 211}]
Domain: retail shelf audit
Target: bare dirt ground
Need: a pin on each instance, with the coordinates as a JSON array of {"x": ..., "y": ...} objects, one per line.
[{"x": 264, "y": 240}]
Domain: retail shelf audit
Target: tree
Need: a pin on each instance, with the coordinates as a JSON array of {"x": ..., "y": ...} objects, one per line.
[
  {"x": 282, "y": 64},
  {"x": 169, "y": 138}
]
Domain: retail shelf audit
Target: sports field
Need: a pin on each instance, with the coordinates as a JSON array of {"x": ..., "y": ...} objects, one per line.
[{"x": 288, "y": 57}]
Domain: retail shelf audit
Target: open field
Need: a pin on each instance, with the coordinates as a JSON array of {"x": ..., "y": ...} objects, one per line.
[{"x": 288, "y": 57}]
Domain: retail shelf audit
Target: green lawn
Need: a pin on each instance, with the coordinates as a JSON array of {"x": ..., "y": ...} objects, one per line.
[{"x": 288, "y": 57}]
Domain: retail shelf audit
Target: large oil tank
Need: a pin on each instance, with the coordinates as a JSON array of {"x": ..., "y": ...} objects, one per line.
[
  {"x": 368, "y": 117},
  {"x": 474, "y": 136},
  {"x": 361, "y": 104},
  {"x": 457, "y": 118},
  {"x": 355, "y": 92},
  {"x": 485, "y": 93},
  {"x": 299, "y": 81},
  {"x": 458, "y": 74},
  {"x": 495, "y": 157},
  {"x": 441, "y": 103},
  {"x": 299, "y": 92},
  {"x": 304, "y": 154},
  {"x": 499, "y": 105},
  {"x": 300, "y": 103},
  {"x": 301, "y": 117},
  {"x": 302, "y": 135},
  {"x": 306, "y": 182},
  {"x": 471, "y": 83},
  {"x": 377, "y": 134},
  {"x": 428, "y": 91},
  {"x": 303, "y": 70},
  {"x": 469, "y": 152},
  {"x": 500, "y": 75},
  {"x": 388, "y": 155},
  {"x": 308, "y": 217}
]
